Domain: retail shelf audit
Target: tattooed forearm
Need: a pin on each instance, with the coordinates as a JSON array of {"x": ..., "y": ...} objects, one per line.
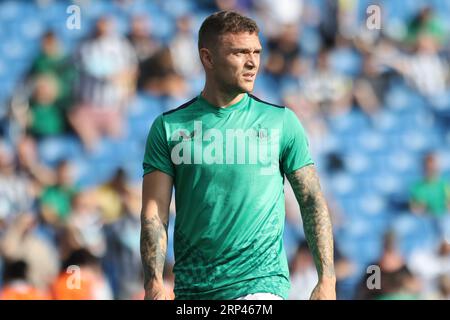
[
  {"x": 153, "y": 249},
  {"x": 316, "y": 219}
]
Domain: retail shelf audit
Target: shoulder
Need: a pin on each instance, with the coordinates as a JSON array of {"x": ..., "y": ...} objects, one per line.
[
  {"x": 265, "y": 103},
  {"x": 278, "y": 112},
  {"x": 274, "y": 111},
  {"x": 180, "y": 108}
]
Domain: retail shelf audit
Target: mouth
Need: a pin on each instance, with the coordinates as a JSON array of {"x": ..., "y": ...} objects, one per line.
[{"x": 249, "y": 76}]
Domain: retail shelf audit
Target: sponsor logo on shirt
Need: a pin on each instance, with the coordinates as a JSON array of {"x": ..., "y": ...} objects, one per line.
[{"x": 253, "y": 146}]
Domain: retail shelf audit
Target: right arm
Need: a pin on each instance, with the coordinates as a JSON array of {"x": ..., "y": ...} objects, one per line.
[{"x": 156, "y": 196}]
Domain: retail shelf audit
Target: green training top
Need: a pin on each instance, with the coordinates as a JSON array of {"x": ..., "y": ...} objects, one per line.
[
  {"x": 434, "y": 195},
  {"x": 228, "y": 166}
]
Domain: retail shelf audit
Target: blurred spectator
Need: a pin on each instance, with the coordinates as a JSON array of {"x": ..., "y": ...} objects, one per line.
[
  {"x": 391, "y": 264},
  {"x": 16, "y": 194},
  {"x": 20, "y": 242},
  {"x": 46, "y": 117},
  {"x": 17, "y": 287},
  {"x": 399, "y": 285},
  {"x": 443, "y": 287},
  {"x": 391, "y": 260},
  {"x": 430, "y": 264},
  {"x": 327, "y": 89},
  {"x": 277, "y": 14},
  {"x": 161, "y": 45},
  {"x": 123, "y": 254},
  {"x": 86, "y": 283},
  {"x": 284, "y": 53},
  {"x": 141, "y": 39},
  {"x": 303, "y": 274},
  {"x": 431, "y": 195},
  {"x": 53, "y": 61},
  {"x": 183, "y": 49},
  {"x": 370, "y": 87},
  {"x": 160, "y": 78},
  {"x": 31, "y": 166},
  {"x": 424, "y": 69},
  {"x": 311, "y": 117},
  {"x": 107, "y": 67},
  {"x": 110, "y": 196},
  {"x": 329, "y": 22},
  {"x": 425, "y": 22},
  {"x": 86, "y": 225},
  {"x": 217, "y": 5},
  {"x": 55, "y": 200}
]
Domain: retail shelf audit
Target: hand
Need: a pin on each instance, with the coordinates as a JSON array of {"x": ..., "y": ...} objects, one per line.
[
  {"x": 324, "y": 290},
  {"x": 160, "y": 295},
  {"x": 157, "y": 292},
  {"x": 25, "y": 222}
]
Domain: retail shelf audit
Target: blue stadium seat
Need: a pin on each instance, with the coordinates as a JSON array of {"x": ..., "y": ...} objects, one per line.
[
  {"x": 351, "y": 123},
  {"x": 89, "y": 174},
  {"x": 32, "y": 29},
  {"x": 360, "y": 242},
  {"x": 177, "y": 8},
  {"x": 371, "y": 203},
  {"x": 11, "y": 10},
  {"x": 96, "y": 9},
  {"x": 310, "y": 41},
  {"x": 415, "y": 141},
  {"x": 403, "y": 162},
  {"x": 54, "y": 11},
  {"x": 346, "y": 61},
  {"x": 388, "y": 122},
  {"x": 371, "y": 142},
  {"x": 341, "y": 184},
  {"x": 54, "y": 149},
  {"x": 402, "y": 99},
  {"x": 14, "y": 49},
  {"x": 266, "y": 88},
  {"x": 403, "y": 11},
  {"x": 357, "y": 162},
  {"x": 444, "y": 159},
  {"x": 163, "y": 26},
  {"x": 414, "y": 232},
  {"x": 388, "y": 183}
]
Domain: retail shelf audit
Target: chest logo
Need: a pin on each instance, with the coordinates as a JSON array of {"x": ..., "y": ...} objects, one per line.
[{"x": 253, "y": 146}]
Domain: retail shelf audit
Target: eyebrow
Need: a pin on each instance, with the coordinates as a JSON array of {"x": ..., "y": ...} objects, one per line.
[{"x": 245, "y": 49}]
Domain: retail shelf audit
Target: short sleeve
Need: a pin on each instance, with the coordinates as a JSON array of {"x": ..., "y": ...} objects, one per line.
[
  {"x": 295, "y": 147},
  {"x": 157, "y": 155}
]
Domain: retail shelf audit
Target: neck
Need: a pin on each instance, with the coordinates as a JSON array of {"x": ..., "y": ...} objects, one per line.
[{"x": 220, "y": 98}]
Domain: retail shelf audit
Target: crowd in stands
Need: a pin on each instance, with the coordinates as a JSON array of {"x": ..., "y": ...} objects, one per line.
[{"x": 73, "y": 124}]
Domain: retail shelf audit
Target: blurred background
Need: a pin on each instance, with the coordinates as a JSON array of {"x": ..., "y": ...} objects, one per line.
[{"x": 76, "y": 105}]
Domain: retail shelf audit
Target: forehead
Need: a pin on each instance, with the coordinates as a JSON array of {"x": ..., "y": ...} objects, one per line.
[{"x": 240, "y": 40}]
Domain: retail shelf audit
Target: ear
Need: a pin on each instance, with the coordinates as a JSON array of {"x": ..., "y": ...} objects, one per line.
[{"x": 206, "y": 58}]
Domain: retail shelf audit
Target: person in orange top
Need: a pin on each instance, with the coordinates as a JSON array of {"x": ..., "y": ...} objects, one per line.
[
  {"x": 81, "y": 278},
  {"x": 17, "y": 287}
]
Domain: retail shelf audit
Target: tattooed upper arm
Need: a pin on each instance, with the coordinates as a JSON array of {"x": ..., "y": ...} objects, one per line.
[
  {"x": 316, "y": 219},
  {"x": 156, "y": 196}
]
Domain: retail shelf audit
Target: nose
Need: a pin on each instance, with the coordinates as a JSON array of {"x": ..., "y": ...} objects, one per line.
[{"x": 251, "y": 61}]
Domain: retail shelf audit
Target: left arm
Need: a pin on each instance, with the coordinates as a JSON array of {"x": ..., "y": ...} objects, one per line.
[{"x": 318, "y": 228}]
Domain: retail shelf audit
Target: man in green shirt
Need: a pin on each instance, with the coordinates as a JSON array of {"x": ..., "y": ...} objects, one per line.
[
  {"x": 226, "y": 152},
  {"x": 55, "y": 201},
  {"x": 432, "y": 194}
]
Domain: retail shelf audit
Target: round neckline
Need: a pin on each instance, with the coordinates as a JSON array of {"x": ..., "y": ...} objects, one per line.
[{"x": 222, "y": 110}]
